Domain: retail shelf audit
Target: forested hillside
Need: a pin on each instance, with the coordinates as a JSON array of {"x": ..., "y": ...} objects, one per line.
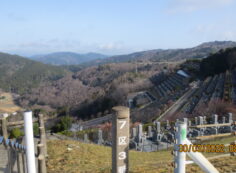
[
  {"x": 219, "y": 62},
  {"x": 67, "y": 58},
  {"x": 20, "y": 75}
]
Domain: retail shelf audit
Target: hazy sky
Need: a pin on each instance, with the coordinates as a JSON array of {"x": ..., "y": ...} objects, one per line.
[{"x": 113, "y": 27}]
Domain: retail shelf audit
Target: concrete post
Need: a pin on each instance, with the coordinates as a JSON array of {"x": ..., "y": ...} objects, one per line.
[
  {"x": 180, "y": 158},
  {"x": 200, "y": 160},
  {"x": 29, "y": 141},
  {"x": 120, "y": 139}
]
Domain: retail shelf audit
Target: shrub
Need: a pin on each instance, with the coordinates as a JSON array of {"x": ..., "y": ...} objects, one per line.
[
  {"x": 36, "y": 129},
  {"x": 16, "y": 133},
  {"x": 63, "y": 125}
]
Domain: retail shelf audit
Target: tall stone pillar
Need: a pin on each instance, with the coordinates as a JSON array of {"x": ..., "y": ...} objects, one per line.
[
  {"x": 150, "y": 131},
  {"x": 196, "y": 120},
  {"x": 140, "y": 133},
  {"x": 201, "y": 120},
  {"x": 223, "y": 119},
  {"x": 120, "y": 139},
  {"x": 230, "y": 118}
]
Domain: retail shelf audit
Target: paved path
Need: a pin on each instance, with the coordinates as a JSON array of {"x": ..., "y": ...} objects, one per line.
[{"x": 176, "y": 106}]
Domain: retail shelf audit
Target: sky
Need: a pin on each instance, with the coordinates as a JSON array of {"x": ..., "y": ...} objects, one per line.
[{"x": 112, "y": 27}]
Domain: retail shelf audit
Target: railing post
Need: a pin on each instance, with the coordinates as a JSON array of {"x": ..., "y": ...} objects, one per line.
[
  {"x": 19, "y": 162},
  {"x": 23, "y": 162},
  {"x": 42, "y": 132},
  {"x": 180, "y": 157},
  {"x": 41, "y": 159},
  {"x": 120, "y": 139},
  {"x": 4, "y": 126},
  {"x": 29, "y": 141}
]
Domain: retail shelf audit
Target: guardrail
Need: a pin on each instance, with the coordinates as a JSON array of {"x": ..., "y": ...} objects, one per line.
[
  {"x": 19, "y": 151},
  {"x": 25, "y": 156}
]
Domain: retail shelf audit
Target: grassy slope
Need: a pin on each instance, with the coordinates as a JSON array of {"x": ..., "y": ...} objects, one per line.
[
  {"x": 94, "y": 158},
  {"x": 7, "y": 105}
]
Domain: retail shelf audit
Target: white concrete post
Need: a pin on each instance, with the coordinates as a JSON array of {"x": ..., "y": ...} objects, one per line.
[
  {"x": 200, "y": 160},
  {"x": 180, "y": 157},
  {"x": 29, "y": 142}
]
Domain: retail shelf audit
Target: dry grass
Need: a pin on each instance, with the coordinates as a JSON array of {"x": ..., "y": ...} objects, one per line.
[
  {"x": 7, "y": 105},
  {"x": 93, "y": 158}
]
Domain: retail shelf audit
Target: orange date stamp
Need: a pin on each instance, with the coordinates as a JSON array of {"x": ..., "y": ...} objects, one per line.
[{"x": 209, "y": 148}]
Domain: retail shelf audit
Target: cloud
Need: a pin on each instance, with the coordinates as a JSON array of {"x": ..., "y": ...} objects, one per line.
[
  {"x": 111, "y": 46},
  {"x": 214, "y": 32},
  {"x": 176, "y": 6},
  {"x": 55, "y": 45}
]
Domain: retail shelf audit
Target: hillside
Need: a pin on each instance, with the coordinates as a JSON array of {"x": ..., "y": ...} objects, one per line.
[
  {"x": 20, "y": 75},
  {"x": 200, "y": 51},
  {"x": 219, "y": 62},
  {"x": 95, "y": 158},
  {"x": 67, "y": 58},
  {"x": 94, "y": 89}
]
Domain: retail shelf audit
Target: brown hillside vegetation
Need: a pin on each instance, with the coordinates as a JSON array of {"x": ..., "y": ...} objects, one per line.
[{"x": 113, "y": 81}]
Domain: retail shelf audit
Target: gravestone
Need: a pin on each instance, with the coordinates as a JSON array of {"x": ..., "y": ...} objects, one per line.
[
  {"x": 150, "y": 131},
  {"x": 100, "y": 140},
  {"x": 223, "y": 119},
  {"x": 186, "y": 120},
  {"x": 196, "y": 120},
  {"x": 86, "y": 140},
  {"x": 215, "y": 119},
  {"x": 201, "y": 122},
  {"x": 134, "y": 133},
  {"x": 140, "y": 133},
  {"x": 230, "y": 118},
  {"x": 189, "y": 123}
]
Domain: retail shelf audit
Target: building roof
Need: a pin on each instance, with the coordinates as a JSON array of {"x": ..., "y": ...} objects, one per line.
[{"x": 183, "y": 73}]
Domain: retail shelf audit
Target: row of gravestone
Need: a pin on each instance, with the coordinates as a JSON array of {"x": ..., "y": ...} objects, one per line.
[{"x": 162, "y": 135}]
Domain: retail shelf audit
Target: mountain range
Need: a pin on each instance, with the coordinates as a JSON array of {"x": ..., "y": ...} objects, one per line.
[
  {"x": 70, "y": 58},
  {"x": 67, "y": 58},
  {"x": 201, "y": 51}
]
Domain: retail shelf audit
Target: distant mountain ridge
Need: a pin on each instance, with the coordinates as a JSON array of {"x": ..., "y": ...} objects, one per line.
[
  {"x": 20, "y": 75},
  {"x": 201, "y": 51},
  {"x": 67, "y": 58}
]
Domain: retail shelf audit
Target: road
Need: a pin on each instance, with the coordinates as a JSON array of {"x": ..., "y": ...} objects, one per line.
[
  {"x": 176, "y": 106},
  {"x": 96, "y": 121}
]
